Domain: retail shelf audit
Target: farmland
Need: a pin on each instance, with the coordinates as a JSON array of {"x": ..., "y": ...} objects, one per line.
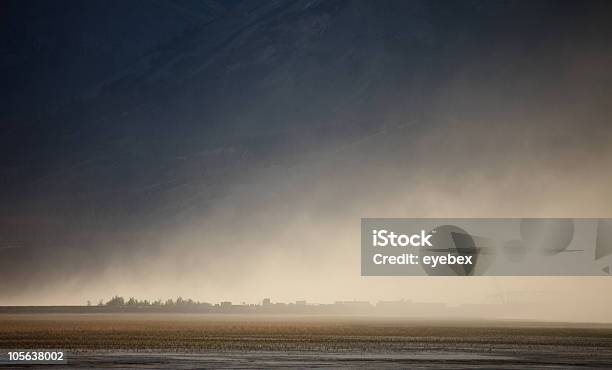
[{"x": 115, "y": 336}]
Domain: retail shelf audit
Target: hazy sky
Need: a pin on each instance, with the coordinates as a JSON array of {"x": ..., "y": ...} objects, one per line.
[{"x": 227, "y": 150}]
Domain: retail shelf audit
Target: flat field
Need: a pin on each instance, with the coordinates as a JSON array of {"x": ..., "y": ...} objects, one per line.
[{"x": 195, "y": 341}]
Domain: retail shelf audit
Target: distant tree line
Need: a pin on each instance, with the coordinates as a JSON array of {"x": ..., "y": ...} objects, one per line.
[{"x": 118, "y": 301}]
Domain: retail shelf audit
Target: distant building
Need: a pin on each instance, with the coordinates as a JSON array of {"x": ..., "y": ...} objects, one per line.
[
  {"x": 300, "y": 303},
  {"x": 266, "y": 302},
  {"x": 226, "y": 304}
]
